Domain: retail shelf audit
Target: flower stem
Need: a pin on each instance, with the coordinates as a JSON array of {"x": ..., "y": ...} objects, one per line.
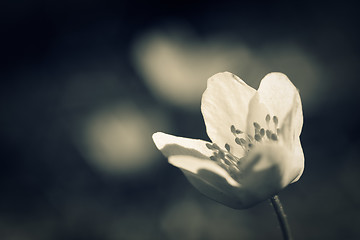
[{"x": 279, "y": 210}]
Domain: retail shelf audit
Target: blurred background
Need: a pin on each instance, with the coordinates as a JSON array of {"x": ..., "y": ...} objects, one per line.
[{"x": 84, "y": 84}]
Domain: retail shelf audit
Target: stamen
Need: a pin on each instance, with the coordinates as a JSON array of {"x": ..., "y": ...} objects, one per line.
[
  {"x": 262, "y": 132},
  {"x": 243, "y": 141},
  {"x": 216, "y": 146},
  {"x": 227, "y": 162},
  {"x": 247, "y": 141},
  {"x": 222, "y": 161},
  {"x": 274, "y": 137},
  {"x": 209, "y": 146},
  {"x": 227, "y": 147},
  {"x": 224, "y": 158},
  {"x": 233, "y": 129},
  {"x": 267, "y": 118},
  {"x": 250, "y": 137},
  {"x": 221, "y": 154},
  {"x": 234, "y": 169},
  {"x": 234, "y": 172},
  {"x": 275, "y": 120},
  {"x": 237, "y": 140},
  {"x": 230, "y": 157},
  {"x": 256, "y": 125},
  {"x": 268, "y": 134},
  {"x": 257, "y": 137},
  {"x": 238, "y": 131}
]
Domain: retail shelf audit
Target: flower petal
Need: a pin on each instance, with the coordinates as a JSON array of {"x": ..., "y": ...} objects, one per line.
[
  {"x": 266, "y": 171},
  {"x": 257, "y": 114},
  {"x": 171, "y": 145},
  {"x": 290, "y": 136},
  {"x": 210, "y": 179},
  {"x": 192, "y": 157},
  {"x": 200, "y": 166},
  {"x": 190, "y": 154},
  {"x": 280, "y": 96},
  {"x": 225, "y": 102},
  {"x": 292, "y": 123},
  {"x": 299, "y": 162},
  {"x": 289, "y": 133}
]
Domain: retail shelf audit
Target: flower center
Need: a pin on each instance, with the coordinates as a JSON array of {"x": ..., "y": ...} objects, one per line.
[
  {"x": 261, "y": 134},
  {"x": 228, "y": 160},
  {"x": 225, "y": 159}
]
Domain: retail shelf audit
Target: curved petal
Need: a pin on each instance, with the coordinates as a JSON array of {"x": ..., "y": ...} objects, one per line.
[
  {"x": 210, "y": 179},
  {"x": 292, "y": 123},
  {"x": 225, "y": 102},
  {"x": 192, "y": 157},
  {"x": 288, "y": 138},
  {"x": 216, "y": 190},
  {"x": 199, "y": 166},
  {"x": 299, "y": 162},
  {"x": 171, "y": 145},
  {"x": 266, "y": 171},
  {"x": 281, "y": 97},
  {"x": 257, "y": 114}
]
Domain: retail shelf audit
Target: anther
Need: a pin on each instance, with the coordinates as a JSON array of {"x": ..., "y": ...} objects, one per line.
[
  {"x": 233, "y": 129},
  {"x": 238, "y": 164},
  {"x": 237, "y": 140},
  {"x": 213, "y": 158},
  {"x": 262, "y": 132},
  {"x": 268, "y": 134},
  {"x": 215, "y": 146},
  {"x": 221, "y": 154},
  {"x": 242, "y": 141},
  {"x": 238, "y": 131},
  {"x": 273, "y": 137},
  {"x": 227, "y": 162},
  {"x": 209, "y": 146},
  {"x": 256, "y": 125},
  {"x": 267, "y": 118},
  {"x": 275, "y": 120},
  {"x": 227, "y": 147},
  {"x": 257, "y": 137}
]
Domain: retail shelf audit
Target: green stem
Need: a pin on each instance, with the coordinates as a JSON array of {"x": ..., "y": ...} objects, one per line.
[{"x": 279, "y": 210}]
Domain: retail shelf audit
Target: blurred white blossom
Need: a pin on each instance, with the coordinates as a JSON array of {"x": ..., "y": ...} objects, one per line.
[
  {"x": 255, "y": 150},
  {"x": 176, "y": 63}
]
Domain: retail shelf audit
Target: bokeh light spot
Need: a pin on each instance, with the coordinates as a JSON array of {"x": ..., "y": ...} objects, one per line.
[{"x": 117, "y": 139}]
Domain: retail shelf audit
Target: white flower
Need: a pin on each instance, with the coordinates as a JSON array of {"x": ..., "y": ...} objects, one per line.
[{"x": 255, "y": 150}]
